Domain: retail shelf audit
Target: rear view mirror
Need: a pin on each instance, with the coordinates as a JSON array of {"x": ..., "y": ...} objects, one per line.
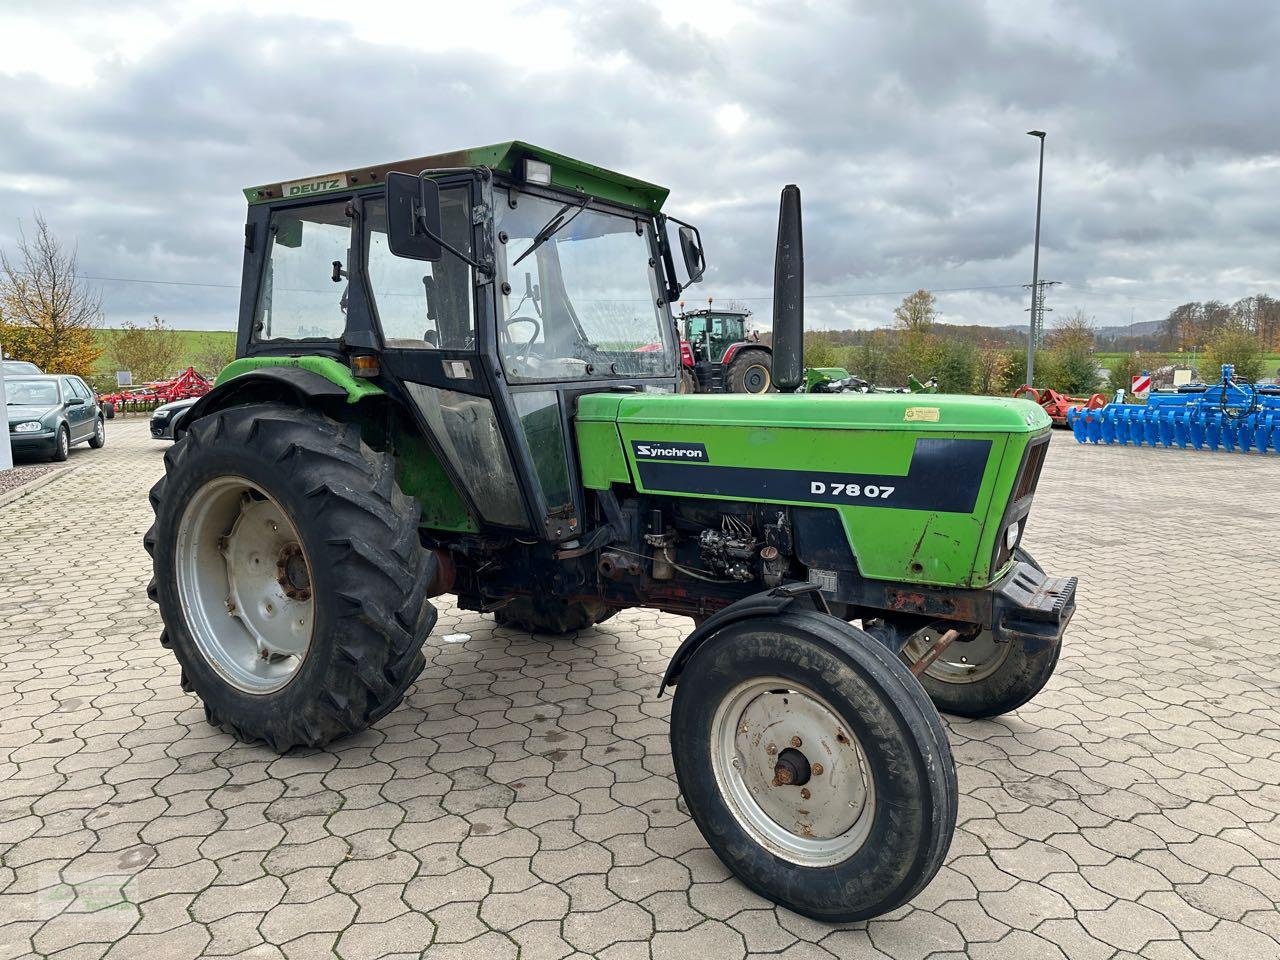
[
  {"x": 695, "y": 262},
  {"x": 413, "y": 217},
  {"x": 74, "y": 402}
]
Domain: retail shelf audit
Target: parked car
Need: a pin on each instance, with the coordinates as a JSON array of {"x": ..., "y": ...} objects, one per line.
[
  {"x": 20, "y": 368},
  {"x": 166, "y": 419},
  {"x": 49, "y": 414}
]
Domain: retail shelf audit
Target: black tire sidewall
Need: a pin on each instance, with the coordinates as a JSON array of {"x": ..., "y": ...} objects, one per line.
[
  {"x": 324, "y": 698},
  {"x": 62, "y": 444},
  {"x": 743, "y": 362},
  {"x": 251, "y": 710},
  {"x": 901, "y": 737},
  {"x": 99, "y": 438}
]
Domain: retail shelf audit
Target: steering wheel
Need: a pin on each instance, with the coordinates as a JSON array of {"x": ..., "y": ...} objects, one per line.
[{"x": 537, "y": 329}]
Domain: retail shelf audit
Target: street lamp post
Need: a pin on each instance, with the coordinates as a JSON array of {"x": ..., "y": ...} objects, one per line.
[{"x": 1035, "y": 267}]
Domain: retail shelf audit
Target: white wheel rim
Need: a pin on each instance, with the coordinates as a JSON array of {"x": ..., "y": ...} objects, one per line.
[
  {"x": 965, "y": 661},
  {"x": 244, "y": 583},
  {"x": 820, "y": 821},
  {"x": 97, "y": 429},
  {"x": 765, "y": 378}
]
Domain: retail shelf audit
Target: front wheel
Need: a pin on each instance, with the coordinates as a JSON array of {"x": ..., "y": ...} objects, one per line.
[
  {"x": 814, "y": 765},
  {"x": 289, "y": 574},
  {"x": 99, "y": 438},
  {"x": 982, "y": 677},
  {"x": 61, "y": 445}
]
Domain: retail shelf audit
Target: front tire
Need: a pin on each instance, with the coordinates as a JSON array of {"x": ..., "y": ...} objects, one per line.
[
  {"x": 99, "y": 438},
  {"x": 862, "y": 814},
  {"x": 980, "y": 678},
  {"x": 289, "y": 574},
  {"x": 61, "y": 445},
  {"x": 751, "y": 372}
]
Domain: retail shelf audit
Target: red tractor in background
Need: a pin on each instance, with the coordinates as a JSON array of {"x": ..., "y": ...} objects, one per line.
[{"x": 717, "y": 355}]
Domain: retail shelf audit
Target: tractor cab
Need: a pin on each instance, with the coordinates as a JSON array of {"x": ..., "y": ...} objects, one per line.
[
  {"x": 485, "y": 290},
  {"x": 722, "y": 357}
]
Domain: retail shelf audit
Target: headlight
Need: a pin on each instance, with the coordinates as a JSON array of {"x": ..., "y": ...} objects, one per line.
[
  {"x": 160, "y": 415},
  {"x": 31, "y": 426},
  {"x": 1011, "y": 536}
]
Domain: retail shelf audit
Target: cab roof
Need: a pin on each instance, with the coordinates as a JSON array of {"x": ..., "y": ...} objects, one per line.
[{"x": 505, "y": 158}]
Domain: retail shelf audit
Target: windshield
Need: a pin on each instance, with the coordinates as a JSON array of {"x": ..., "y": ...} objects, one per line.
[
  {"x": 584, "y": 303},
  {"x": 31, "y": 393}
]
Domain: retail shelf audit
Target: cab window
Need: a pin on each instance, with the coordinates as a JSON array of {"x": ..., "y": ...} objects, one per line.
[
  {"x": 303, "y": 296},
  {"x": 420, "y": 304}
]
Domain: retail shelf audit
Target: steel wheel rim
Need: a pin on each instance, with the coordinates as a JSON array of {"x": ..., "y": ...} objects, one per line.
[
  {"x": 820, "y": 821},
  {"x": 244, "y": 584},
  {"x": 64, "y": 442},
  {"x": 965, "y": 661},
  {"x": 760, "y": 379},
  {"x": 98, "y": 429}
]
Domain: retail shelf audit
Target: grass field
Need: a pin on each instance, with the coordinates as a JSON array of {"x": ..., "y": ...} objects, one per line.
[
  {"x": 192, "y": 342},
  {"x": 1155, "y": 360}
]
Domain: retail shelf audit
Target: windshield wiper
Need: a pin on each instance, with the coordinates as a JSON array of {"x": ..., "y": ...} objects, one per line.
[{"x": 553, "y": 226}]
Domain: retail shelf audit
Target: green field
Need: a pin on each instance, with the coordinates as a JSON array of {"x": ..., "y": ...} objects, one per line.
[
  {"x": 192, "y": 342},
  {"x": 1156, "y": 359}
]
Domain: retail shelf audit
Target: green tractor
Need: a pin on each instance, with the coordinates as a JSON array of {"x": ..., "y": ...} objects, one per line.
[
  {"x": 719, "y": 356},
  {"x": 457, "y": 375}
]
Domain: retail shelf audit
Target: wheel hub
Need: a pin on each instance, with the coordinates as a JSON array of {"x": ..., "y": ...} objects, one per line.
[
  {"x": 245, "y": 585},
  {"x": 793, "y": 774}
]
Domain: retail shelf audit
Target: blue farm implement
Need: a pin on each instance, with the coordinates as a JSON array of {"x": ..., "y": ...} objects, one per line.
[{"x": 1230, "y": 415}]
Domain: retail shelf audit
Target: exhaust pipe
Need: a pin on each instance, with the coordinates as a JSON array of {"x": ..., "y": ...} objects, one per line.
[{"x": 788, "y": 295}]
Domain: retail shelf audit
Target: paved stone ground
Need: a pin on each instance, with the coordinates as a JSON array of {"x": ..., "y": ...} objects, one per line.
[{"x": 521, "y": 801}]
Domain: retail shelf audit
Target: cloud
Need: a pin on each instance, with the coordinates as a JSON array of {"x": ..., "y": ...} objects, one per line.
[{"x": 903, "y": 124}]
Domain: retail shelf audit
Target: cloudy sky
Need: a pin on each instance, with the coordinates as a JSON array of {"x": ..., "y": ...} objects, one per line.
[{"x": 133, "y": 126}]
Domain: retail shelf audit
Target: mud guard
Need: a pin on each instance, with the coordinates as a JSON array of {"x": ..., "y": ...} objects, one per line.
[
  {"x": 768, "y": 603},
  {"x": 267, "y": 383}
]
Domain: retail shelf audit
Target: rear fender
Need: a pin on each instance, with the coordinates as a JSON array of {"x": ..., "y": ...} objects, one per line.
[{"x": 300, "y": 380}]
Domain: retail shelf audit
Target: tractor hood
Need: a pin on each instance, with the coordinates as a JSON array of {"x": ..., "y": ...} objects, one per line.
[
  {"x": 920, "y": 483},
  {"x": 926, "y": 413}
]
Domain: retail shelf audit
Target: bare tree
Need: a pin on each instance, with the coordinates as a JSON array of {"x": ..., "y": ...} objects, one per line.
[
  {"x": 917, "y": 312},
  {"x": 150, "y": 352},
  {"x": 47, "y": 312}
]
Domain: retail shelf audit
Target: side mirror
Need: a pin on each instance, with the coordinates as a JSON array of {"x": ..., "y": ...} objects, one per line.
[
  {"x": 695, "y": 262},
  {"x": 74, "y": 402},
  {"x": 413, "y": 217}
]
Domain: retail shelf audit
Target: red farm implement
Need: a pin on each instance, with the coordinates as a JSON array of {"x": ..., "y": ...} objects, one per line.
[
  {"x": 1056, "y": 404},
  {"x": 150, "y": 395}
]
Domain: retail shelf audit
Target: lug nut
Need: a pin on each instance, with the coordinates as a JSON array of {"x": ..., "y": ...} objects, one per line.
[
  {"x": 817, "y": 769},
  {"x": 795, "y": 742},
  {"x": 804, "y": 793},
  {"x": 771, "y": 749}
]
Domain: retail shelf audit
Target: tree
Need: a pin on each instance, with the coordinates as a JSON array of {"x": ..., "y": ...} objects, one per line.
[
  {"x": 214, "y": 352},
  {"x": 1125, "y": 369},
  {"x": 818, "y": 351},
  {"x": 47, "y": 313},
  {"x": 917, "y": 312},
  {"x": 149, "y": 352},
  {"x": 994, "y": 369},
  {"x": 1234, "y": 344},
  {"x": 1072, "y": 366},
  {"x": 957, "y": 367}
]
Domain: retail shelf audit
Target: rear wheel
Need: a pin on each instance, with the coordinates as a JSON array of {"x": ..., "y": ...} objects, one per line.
[
  {"x": 688, "y": 382},
  {"x": 551, "y": 615},
  {"x": 814, "y": 765},
  {"x": 981, "y": 677},
  {"x": 751, "y": 372},
  {"x": 289, "y": 574}
]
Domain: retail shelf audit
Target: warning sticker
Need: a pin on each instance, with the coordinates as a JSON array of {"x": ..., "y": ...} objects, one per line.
[{"x": 922, "y": 415}]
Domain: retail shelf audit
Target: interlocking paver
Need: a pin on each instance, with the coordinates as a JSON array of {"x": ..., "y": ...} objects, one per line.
[{"x": 522, "y": 801}]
